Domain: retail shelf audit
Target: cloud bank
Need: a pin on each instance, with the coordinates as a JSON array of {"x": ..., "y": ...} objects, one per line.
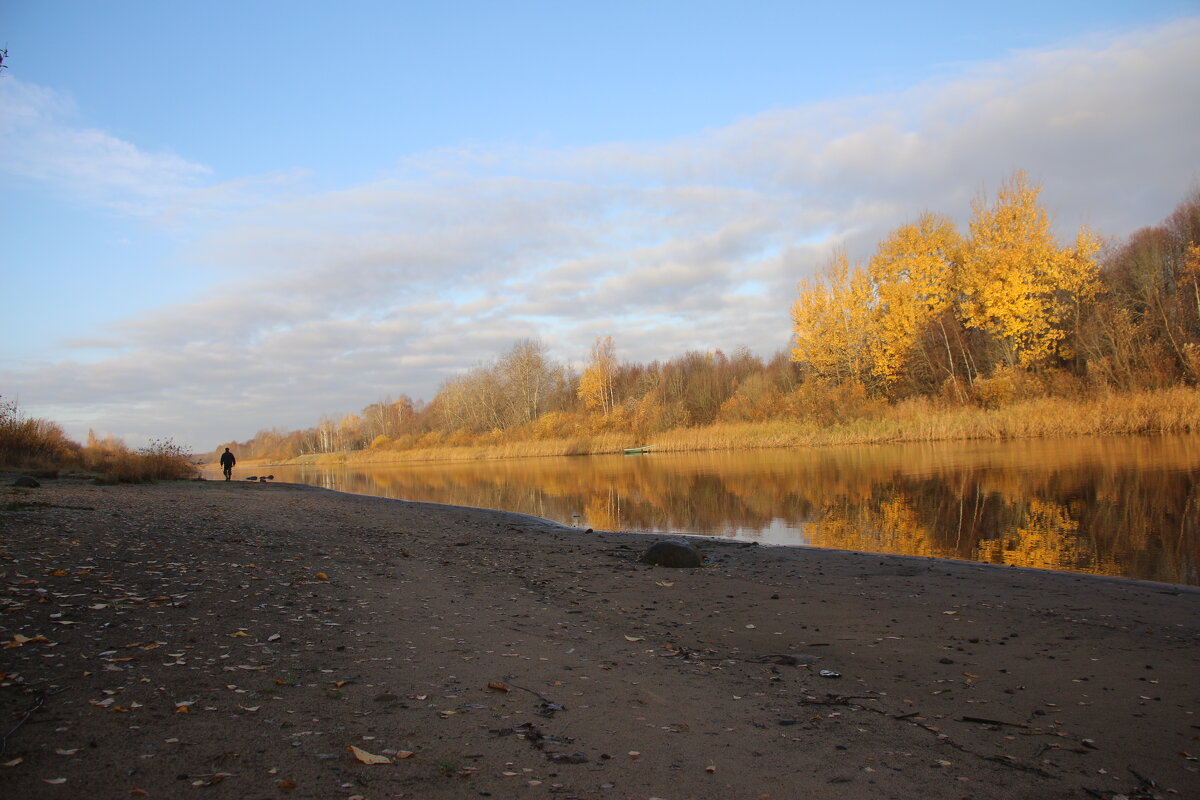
[{"x": 329, "y": 300}]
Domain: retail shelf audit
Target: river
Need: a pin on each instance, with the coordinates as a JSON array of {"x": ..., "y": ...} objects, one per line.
[{"x": 1121, "y": 506}]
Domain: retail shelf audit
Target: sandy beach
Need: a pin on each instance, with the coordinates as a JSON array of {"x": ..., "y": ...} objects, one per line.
[{"x": 240, "y": 640}]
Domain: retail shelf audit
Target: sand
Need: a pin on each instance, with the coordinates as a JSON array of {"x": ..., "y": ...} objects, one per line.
[{"x": 237, "y": 640}]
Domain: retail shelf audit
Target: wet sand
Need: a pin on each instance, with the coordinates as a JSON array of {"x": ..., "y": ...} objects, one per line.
[{"x": 237, "y": 640}]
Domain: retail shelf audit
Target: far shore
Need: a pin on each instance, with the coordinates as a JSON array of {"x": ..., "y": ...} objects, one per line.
[
  {"x": 250, "y": 640},
  {"x": 1175, "y": 410}
]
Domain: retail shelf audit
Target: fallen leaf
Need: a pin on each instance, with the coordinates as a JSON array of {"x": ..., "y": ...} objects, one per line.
[
  {"x": 321, "y": 576},
  {"x": 138, "y": 791},
  {"x": 368, "y": 758},
  {"x": 238, "y": 634},
  {"x": 273, "y": 637},
  {"x": 286, "y": 786},
  {"x": 55, "y": 781},
  {"x": 665, "y": 583},
  {"x": 14, "y": 762},
  {"x": 20, "y": 639},
  {"x": 634, "y": 638},
  {"x": 70, "y": 752},
  {"x": 405, "y": 754},
  {"x": 499, "y": 686}
]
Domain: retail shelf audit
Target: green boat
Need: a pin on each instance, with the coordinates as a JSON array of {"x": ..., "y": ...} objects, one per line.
[{"x": 633, "y": 451}]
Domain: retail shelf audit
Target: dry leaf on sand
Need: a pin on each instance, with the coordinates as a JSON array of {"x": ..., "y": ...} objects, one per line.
[{"x": 368, "y": 758}]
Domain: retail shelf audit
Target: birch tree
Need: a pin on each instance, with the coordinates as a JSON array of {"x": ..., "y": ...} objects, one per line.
[
  {"x": 1018, "y": 284},
  {"x": 596, "y": 383},
  {"x": 832, "y": 324},
  {"x": 914, "y": 273}
]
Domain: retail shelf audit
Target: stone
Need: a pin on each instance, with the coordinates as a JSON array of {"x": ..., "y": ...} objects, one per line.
[
  {"x": 26, "y": 482},
  {"x": 677, "y": 553}
]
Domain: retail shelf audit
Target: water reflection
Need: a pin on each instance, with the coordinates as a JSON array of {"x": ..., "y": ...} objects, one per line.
[{"x": 1124, "y": 506}]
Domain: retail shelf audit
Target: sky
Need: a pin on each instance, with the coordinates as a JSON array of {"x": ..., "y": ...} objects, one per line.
[{"x": 223, "y": 217}]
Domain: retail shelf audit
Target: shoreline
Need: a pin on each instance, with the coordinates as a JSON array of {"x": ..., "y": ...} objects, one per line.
[
  {"x": 700, "y": 538},
  {"x": 517, "y": 657},
  {"x": 1173, "y": 411}
]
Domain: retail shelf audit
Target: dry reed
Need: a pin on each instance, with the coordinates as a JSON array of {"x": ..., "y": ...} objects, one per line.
[{"x": 1173, "y": 410}]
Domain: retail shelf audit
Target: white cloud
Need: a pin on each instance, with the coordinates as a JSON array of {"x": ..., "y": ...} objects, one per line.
[
  {"x": 332, "y": 300},
  {"x": 39, "y": 141}
]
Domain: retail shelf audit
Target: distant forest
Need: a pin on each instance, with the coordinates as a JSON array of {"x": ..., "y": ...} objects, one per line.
[{"x": 938, "y": 317}]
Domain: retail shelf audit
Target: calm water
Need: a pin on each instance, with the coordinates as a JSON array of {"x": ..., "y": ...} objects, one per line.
[{"x": 1122, "y": 506}]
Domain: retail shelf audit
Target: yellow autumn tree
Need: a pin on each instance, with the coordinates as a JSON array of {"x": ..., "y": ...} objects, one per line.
[
  {"x": 1191, "y": 272},
  {"x": 1018, "y": 285},
  {"x": 596, "y": 383},
  {"x": 831, "y": 322},
  {"x": 913, "y": 272}
]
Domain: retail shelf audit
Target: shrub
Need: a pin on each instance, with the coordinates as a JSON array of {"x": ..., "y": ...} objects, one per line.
[
  {"x": 33, "y": 443},
  {"x": 461, "y": 438},
  {"x": 998, "y": 391},
  {"x": 161, "y": 459},
  {"x": 431, "y": 439}
]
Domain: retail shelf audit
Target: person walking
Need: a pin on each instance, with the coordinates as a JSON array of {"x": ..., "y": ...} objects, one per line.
[{"x": 227, "y": 462}]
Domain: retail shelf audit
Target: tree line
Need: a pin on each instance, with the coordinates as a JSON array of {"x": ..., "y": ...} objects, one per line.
[
  {"x": 988, "y": 316},
  {"x": 1006, "y": 308}
]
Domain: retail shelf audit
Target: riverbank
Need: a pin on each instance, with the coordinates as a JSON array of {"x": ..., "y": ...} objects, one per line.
[
  {"x": 1174, "y": 410},
  {"x": 239, "y": 638}
]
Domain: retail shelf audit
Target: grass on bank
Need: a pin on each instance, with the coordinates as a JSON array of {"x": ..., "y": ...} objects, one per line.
[
  {"x": 161, "y": 460},
  {"x": 1174, "y": 410},
  {"x": 41, "y": 447}
]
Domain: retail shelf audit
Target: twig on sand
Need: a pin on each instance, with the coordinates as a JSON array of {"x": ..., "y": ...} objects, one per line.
[
  {"x": 548, "y": 706},
  {"x": 837, "y": 700},
  {"x": 41, "y": 700},
  {"x": 986, "y": 721}
]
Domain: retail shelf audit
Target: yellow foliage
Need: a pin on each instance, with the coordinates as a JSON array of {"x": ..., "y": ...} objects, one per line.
[
  {"x": 1018, "y": 284},
  {"x": 913, "y": 273},
  {"x": 831, "y": 321},
  {"x": 596, "y": 383},
  {"x": 593, "y": 389}
]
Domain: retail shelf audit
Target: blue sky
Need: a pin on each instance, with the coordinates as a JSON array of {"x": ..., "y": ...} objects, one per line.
[{"x": 225, "y": 216}]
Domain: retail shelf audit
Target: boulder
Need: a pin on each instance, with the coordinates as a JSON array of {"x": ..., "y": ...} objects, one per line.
[
  {"x": 679, "y": 553},
  {"x": 26, "y": 482}
]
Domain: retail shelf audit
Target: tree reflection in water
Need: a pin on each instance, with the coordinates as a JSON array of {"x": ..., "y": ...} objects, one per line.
[{"x": 1123, "y": 506}]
